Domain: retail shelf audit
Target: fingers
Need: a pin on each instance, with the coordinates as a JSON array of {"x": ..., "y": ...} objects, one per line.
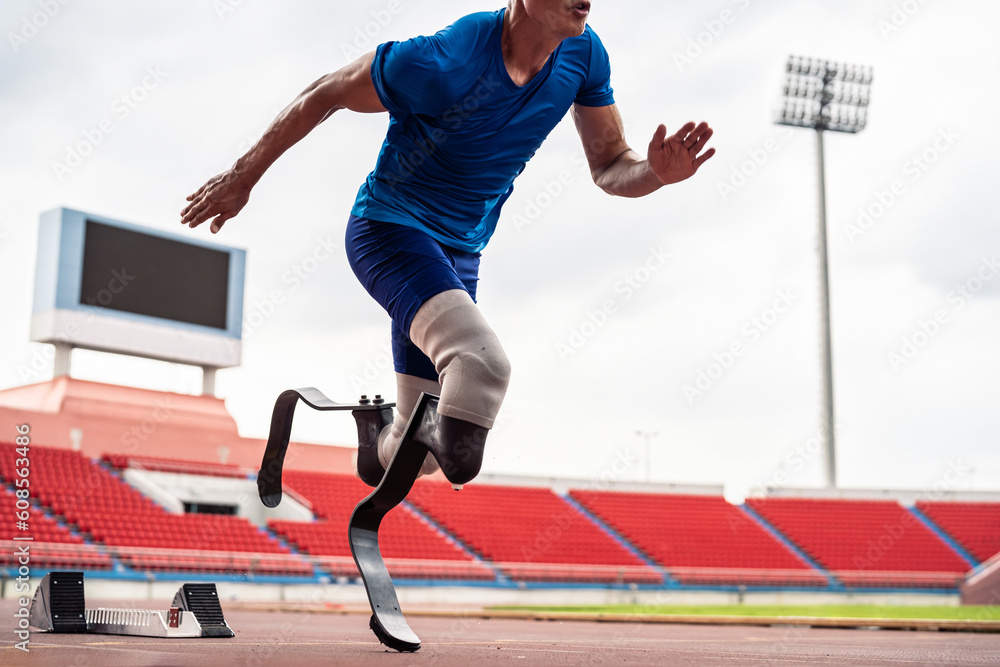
[
  {"x": 656, "y": 143},
  {"x": 692, "y": 135},
  {"x": 193, "y": 214},
  {"x": 659, "y": 135},
  {"x": 201, "y": 207},
  {"x": 188, "y": 211},
  {"x": 219, "y": 221},
  {"x": 702, "y": 158},
  {"x": 701, "y": 140},
  {"x": 682, "y": 134},
  {"x": 693, "y": 138},
  {"x": 199, "y": 211},
  {"x": 197, "y": 193}
]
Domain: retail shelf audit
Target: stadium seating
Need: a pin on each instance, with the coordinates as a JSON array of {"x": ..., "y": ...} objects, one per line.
[
  {"x": 531, "y": 533},
  {"x": 83, "y": 515},
  {"x": 110, "y": 511},
  {"x": 865, "y": 542},
  {"x": 411, "y": 547},
  {"x": 700, "y": 539},
  {"x": 975, "y": 526},
  {"x": 51, "y": 546}
]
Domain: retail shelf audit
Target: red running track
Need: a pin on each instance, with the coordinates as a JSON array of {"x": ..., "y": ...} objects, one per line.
[{"x": 293, "y": 639}]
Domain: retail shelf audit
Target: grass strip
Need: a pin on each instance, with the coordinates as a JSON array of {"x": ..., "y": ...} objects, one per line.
[{"x": 813, "y": 611}]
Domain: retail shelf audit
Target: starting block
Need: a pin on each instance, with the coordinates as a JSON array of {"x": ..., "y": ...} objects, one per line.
[
  {"x": 59, "y": 606},
  {"x": 387, "y": 621}
]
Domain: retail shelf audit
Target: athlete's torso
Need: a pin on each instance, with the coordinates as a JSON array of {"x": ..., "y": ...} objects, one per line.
[{"x": 461, "y": 131}]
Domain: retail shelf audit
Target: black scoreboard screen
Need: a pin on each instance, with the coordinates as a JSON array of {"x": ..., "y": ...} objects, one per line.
[{"x": 150, "y": 275}]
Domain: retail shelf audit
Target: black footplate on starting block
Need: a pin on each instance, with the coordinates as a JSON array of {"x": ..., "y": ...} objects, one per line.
[
  {"x": 269, "y": 475},
  {"x": 202, "y": 600},
  {"x": 387, "y": 620},
  {"x": 59, "y": 604}
]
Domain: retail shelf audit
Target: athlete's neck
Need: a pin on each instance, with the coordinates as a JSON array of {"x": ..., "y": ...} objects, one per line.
[{"x": 526, "y": 44}]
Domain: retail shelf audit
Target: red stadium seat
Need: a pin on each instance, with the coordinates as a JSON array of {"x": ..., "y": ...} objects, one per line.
[
  {"x": 410, "y": 546},
  {"x": 115, "y": 514},
  {"x": 974, "y": 525},
  {"x": 699, "y": 539},
  {"x": 872, "y": 543},
  {"x": 533, "y": 534}
]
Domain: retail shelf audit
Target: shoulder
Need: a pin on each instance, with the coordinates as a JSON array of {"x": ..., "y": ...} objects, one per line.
[
  {"x": 427, "y": 74},
  {"x": 587, "y": 46},
  {"x": 451, "y": 48},
  {"x": 471, "y": 30},
  {"x": 589, "y": 64}
]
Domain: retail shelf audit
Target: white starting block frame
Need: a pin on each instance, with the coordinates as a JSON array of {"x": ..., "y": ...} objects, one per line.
[
  {"x": 59, "y": 606},
  {"x": 143, "y": 622}
]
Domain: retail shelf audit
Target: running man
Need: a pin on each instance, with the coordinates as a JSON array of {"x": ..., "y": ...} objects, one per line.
[{"x": 468, "y": 107}]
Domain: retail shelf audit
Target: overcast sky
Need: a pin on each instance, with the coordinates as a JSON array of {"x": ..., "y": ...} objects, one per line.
[{"x": 609, "y": 309}]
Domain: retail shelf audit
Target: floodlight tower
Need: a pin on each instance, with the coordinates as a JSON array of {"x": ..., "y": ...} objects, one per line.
[
  {"x": 648, "y": 435},
  {"x": 825, "y": 96}
]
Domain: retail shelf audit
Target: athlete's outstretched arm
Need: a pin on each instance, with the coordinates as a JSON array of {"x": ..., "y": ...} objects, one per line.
[
  {"x": 619, "y": 170},
  {"x": 223, "y": 196}
]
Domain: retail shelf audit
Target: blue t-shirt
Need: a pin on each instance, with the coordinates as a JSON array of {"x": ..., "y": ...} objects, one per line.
[{"x": 460, "y": 130}]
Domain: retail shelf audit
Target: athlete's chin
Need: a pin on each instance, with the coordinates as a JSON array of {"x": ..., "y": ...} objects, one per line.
[
  {"x": 574, "y": 28},
  {"x": 565, "y": 26}
]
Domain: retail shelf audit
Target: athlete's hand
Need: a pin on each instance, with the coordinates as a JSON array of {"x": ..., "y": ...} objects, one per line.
[
  {"x": 676, "y": 157},
  {"x": 221, "y": 198}
]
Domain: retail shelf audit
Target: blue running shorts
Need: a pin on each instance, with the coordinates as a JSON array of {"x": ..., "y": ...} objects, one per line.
[{"x": 401, "y": 268}]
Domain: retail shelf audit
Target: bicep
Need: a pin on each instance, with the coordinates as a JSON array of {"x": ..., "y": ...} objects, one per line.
[
  {"x": 602, "y": 134},
  {"x": 350, "y": 87}
]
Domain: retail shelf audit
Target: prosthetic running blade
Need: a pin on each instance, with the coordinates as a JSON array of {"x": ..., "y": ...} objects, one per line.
[
  {"x": 387, "y": 620},
  {"x": 269, "y": 475}
]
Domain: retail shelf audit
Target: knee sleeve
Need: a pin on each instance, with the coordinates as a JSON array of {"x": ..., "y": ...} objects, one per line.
[
  {"x": 408, "y": 389},
  {"x": 473, "y": 368}
]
